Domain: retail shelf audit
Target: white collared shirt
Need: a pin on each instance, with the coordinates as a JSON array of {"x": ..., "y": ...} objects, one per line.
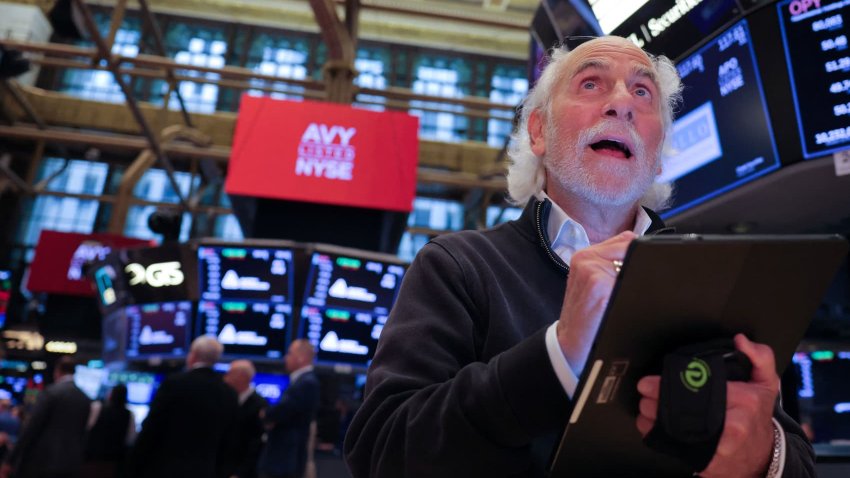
[
  {"x": 569, "y": 238},
  {"x": 243, "y": 397},
  {"x": 298, "y": 373}
]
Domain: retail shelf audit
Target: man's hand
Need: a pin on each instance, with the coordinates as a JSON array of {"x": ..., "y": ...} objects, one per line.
[
  {"x": 589, "y": 286},
  {"x": 745, "y": 446}
]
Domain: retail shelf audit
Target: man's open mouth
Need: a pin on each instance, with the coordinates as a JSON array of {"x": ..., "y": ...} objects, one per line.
[{"x": 612, "y": 146}]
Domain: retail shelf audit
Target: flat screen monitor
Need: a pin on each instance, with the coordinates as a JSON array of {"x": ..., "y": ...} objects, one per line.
[
  {"x": 14, "y": 386},
  {"x": 347, "y": 300},
  {"x": 5, "y": 294},
  {"x": 141, "y": 387},
  {"x": 90, "y": 380},
  {"x": 815, "y": 39},
  {"x": 256, "y": 330},
  {"x": 97, "y": 382},
  {"x": 158, "y": 330},
  {"x": 270, "y": 386},
  {"x": 824, "y": 393},
  {"x": 722, "y": 137},
  {"x": 246, "y": 273}
]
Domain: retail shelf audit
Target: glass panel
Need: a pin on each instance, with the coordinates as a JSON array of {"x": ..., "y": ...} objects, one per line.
[
  {"x": 64, "y": 214},
  {"x": 446, "y": 78},
  {"x": 197, "y": 45},
  {"x": 100, "y": 85},
  {"x": 371, "y": 65},
  {"x": 508, "y": 86},
  {"x": 277, "y": 56}
]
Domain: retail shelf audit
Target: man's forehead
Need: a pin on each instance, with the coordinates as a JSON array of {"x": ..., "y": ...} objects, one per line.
[{"x": 605, "y": 52}]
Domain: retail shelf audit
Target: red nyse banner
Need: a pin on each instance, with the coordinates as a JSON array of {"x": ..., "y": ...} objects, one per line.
[
  {"x": 324, "y": 153},
  {"x": 60, "y": 256}
]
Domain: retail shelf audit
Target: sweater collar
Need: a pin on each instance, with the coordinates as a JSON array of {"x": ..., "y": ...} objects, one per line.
[{"x": 535, "y": 217}]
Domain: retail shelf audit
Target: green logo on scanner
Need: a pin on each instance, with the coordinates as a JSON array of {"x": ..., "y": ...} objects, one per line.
[{"x": 695, "y": 376}]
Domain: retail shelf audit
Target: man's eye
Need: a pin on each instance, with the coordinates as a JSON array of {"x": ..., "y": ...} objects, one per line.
[
  {"x": 642, "y": 92},
  {"x": 588, "y": 85}
]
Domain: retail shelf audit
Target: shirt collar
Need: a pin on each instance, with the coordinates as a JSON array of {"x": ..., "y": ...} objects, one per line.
[
  {"x": 298, "y": 373},
  {"x": 569, "y": 237},
  {"x": 247, "y": 393}
]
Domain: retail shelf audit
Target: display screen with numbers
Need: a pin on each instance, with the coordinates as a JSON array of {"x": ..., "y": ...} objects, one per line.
[
  {"x": 722, "y": 136},
  {"x": 815, "y": 36},
  {"x": 347, "y": 301}
]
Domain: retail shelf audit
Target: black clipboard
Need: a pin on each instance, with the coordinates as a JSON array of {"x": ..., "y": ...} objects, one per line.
[{"x": 677, "y": 290}]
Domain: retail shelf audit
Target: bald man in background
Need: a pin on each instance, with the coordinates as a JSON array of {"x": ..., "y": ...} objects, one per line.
[{"x": 249, "y": 419}]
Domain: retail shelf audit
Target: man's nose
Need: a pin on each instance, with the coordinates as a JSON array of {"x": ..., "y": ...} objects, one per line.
[{"x": 620, "y": 104}]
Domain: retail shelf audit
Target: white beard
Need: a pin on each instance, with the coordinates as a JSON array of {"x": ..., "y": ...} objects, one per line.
[{"x": 602, "y": 183}]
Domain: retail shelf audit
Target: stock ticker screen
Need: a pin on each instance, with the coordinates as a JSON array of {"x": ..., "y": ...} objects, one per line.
[
  {"x": 158, "y": 329},
  {"x": 722, "y": 136},
  {"x": 246, "y": 297},
  {"x": 346, "y": 304},
  {"x": 246, "y": 328},
  {"x": 815, "y": 39},
  {"x": 245, "y": 273},
  {"x": 824, "y": 393}
]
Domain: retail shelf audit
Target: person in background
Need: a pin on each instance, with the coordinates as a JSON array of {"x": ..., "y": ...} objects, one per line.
[
  {"x": 52, "y": 441},
  {"x": 10, "y": 426},
  {"x": 192, "y": 421},
  {"x": 477, "y": 366},
  {"x": 289, "y": 422},
  {"x": 113, "y": 429},
  {"x": 249, "y": 421}
]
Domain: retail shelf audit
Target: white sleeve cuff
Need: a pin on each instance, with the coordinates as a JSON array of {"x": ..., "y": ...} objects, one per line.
[
  {"x": 782, "y": 447},
  {"x": 562, "y": 368}
]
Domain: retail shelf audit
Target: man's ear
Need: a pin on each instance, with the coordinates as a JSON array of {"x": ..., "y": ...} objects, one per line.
[{"x": 536, "y": 139}]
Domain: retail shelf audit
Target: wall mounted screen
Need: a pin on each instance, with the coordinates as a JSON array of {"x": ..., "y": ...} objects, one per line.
[
  {"x": 247, "y": 329},
  {"x": 160, "y": 330},
  {"x": 346, "y": 304},
  {"x": 815, "y": 37},
  {"x": 247, "y": 273},
  {"x": 722, "y": 136}
]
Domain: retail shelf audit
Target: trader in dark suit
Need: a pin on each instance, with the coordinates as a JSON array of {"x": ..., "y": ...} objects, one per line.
[
  {"x": 285, "y": 455},
  {"x": 51, "y": 444},
  {"x": 189, "y": 430},
  {"x": 249, "y": 421}
]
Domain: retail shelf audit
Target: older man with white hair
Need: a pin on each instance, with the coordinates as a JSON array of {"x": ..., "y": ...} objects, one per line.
[
  {"x": 476, "y": 368},
  {"x": 189, "y": 430}
]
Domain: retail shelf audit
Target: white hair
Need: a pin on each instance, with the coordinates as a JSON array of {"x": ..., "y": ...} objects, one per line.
[
  {"x": 526, "y": 173},
  {"x": 207, "y": 349}
]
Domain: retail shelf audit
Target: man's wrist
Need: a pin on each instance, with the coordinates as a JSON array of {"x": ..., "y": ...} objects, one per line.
[{"x": 777, "y": 455}]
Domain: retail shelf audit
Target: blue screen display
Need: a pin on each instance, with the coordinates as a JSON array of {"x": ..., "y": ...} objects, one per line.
[
  {"x": 722, "y": 136},
  {"x": 270, "y": 386}
]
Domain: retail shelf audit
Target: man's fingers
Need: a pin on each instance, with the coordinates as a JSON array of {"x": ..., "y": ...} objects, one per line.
[
  {"x": 650, "y": 386},
  {"x": 764, "y": 363},
  {"x": 649, "y": 408},
  {"x": 644, "y": 425}
]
